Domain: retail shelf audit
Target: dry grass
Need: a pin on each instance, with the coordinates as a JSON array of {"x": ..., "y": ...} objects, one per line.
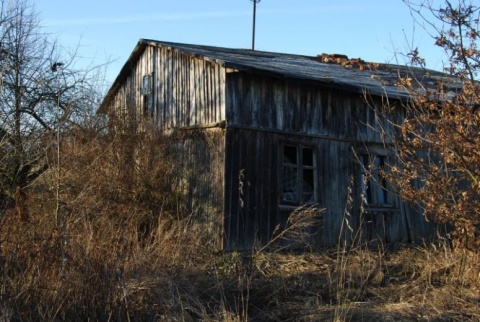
[{"x": 110, "y": 246}]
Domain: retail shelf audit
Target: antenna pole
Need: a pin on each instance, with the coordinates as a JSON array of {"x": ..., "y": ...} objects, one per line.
[{"x": 254, "y": 18}]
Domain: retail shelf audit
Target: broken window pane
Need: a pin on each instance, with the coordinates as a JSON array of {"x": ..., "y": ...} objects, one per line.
[
  {"x": 298, "y": 174},
  {"x": 308, "y": 185},
  {"x": 308, "y": 156},
  {"x": 290, "y": 154},
  {"x": 290, "y": 184}
]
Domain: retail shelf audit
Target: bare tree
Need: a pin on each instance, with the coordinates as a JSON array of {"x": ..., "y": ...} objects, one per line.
[{"x": 42, "y": 94}]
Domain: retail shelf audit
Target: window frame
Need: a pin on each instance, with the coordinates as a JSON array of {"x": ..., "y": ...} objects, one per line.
[
  {"x": 147, "y": 95},
  {"x": 376, "y": 190},
  {"x": 300, "y": 168}
]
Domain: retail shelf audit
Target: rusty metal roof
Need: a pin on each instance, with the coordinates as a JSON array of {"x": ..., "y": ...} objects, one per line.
[{"x": 329, "y": 70}]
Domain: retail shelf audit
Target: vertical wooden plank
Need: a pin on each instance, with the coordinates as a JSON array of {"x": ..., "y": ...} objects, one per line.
[
  {"x": 213, "y": 91},
  {"x": 201, "y": 91},
  {"x": 202, "y": 106},
  {"x": 166, "y": 113},
  {"x": 220, "y": 90},
  {"x": 160, "y": 89},
  {"x": 181, "y": 89},
  {"x": 208, "y": 92},
  {"x": 169, "y": 90},
  {"x": 186, "y": 90},
  {"x": 154, "y": 71},
  {"x": 171, "y": 75},
  {"x": 213, "y": 114},
  {"x": 191, "y": 91},
  {"x": 175, "y": 88}
]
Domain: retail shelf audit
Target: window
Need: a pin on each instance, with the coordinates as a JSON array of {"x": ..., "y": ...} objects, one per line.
[
  {"x": 374, "y": 182},
  {"x": 299, "y": 173},
  {"x": 147, "y": 85},
  {"x": 147, "y": 92}
]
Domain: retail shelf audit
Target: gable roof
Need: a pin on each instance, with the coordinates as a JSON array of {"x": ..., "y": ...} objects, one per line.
[{"x": 335, "y": 71}]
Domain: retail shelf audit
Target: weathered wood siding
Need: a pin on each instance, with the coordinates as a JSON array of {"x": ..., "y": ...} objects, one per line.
[
  {"x": 190, "y": 91},
  {"x": 299, "y": 107},
  {"x": 264, "y": 112},
  {"x": 251, "y": 195},
  {"x": 187, "y": 90},
  {"x": 253, "y": 186}
]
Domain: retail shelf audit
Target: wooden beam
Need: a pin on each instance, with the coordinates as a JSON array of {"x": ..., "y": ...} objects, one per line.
[{"x": 221, "y": 125}]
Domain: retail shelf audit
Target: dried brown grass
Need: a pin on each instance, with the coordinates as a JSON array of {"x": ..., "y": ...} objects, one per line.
[{"x": 120, "y": 249}]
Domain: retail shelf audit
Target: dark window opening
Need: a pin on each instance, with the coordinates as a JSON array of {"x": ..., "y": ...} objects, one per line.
[
  {"x": 374, "y": 181},
  {"x": 290, "y": 154},
  {"x": 298, "y": 175},
  {"x": 147, "y": 92},
  {"x": 148, "y": 105}
]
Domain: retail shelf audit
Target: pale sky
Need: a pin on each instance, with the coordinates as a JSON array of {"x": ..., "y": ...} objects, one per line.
[{"x": 374, "y": 30}]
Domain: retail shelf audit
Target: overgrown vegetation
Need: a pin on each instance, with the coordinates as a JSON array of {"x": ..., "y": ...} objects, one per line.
[
  {"x": 438, "y": 143},
  {"x": 112, "y": 247},
  {"x": 106, "y": 237},
  {"x": 438, "y": 152}
]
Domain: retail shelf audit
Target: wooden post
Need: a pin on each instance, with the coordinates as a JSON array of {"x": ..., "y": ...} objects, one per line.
[{"x": 254, "y": 17}]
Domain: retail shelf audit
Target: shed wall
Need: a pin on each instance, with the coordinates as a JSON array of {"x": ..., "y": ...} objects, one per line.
[
  {"x": 290, "y": 106},
  {"x": 253, "y": 185},
  {"x": 265, "y": 112}
]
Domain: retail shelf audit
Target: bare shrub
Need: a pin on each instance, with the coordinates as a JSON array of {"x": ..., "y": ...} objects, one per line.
[
  {"x": 437, "y": 143},
  {"x": 98, "y": 221}
]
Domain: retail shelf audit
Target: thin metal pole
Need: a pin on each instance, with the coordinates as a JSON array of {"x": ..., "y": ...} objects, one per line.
[{"x": 254, "y": 18}]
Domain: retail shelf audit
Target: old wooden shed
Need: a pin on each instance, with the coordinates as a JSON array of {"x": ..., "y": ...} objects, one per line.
[{"x": 258, "y": 134}]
